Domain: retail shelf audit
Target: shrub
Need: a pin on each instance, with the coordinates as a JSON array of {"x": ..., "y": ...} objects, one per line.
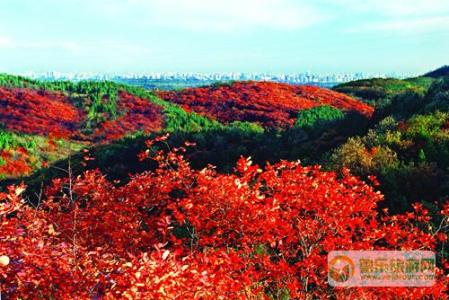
[
  {"x": 318, "y": 117},
  {"x": 182, "y": 233}
]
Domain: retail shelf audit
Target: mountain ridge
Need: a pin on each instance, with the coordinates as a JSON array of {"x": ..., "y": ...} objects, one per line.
[{"x": 440, "y": 72}]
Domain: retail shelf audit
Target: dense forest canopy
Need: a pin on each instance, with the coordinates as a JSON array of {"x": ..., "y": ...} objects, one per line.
[{"x": 234, "y": 190}]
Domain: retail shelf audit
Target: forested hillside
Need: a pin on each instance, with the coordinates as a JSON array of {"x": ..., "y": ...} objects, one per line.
[{"x": 235, "y": 190}]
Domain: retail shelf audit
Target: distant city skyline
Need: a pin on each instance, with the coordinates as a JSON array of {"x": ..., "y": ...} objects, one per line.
[
  {"x": 159, "y": 75},
  {"x": 262, "y": 36},
  {"x": 143, "y": 79}
]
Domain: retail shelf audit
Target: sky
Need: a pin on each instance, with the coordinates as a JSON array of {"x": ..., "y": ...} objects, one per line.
[{"x": 273, "y": 36}]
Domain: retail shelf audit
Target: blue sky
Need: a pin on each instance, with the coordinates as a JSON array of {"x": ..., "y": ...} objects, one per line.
[{"x": 285, "y": 36}]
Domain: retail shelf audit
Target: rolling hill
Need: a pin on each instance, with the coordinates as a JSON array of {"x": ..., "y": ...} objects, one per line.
[
  {"x": 267, "y": 103},
  {"x": 274, "y": 170},
  {"x": 264, "y": 120},
  {"x": 86, "y": 114},
  {"x": 379, "y": 91},
  {"x": 440, "y": 72},
  {"x": 376, "y": 90},
  {"x": 46, "y": 112}
]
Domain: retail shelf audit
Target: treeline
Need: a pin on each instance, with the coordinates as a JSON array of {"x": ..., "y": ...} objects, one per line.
[
  {"x": 380, "y": 91},
  {"x": 405, "y": 144},
  {"x": 97, "y": 98},
  {"x": 408, "y": 149},
  {"x": 220, "y": 145},
  {"x": 100, "y": 102}
]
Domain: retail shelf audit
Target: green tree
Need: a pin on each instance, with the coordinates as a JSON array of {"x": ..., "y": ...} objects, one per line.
[{"x": 318, "y": 117}]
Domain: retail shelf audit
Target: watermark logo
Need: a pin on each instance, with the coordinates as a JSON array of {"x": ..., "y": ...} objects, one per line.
[
  {"x": 341, "y": 268},
  {"x": 381, "y": 268}
]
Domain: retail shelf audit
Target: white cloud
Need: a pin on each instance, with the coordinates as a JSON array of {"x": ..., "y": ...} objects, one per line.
[
  {"x": 396, "y": 16},
  {"x": 407, "y": 26},
  {"x": 215, "y": 15},
  {"x": 248, "y": 15},
  {"x": 395, "y": 8}
]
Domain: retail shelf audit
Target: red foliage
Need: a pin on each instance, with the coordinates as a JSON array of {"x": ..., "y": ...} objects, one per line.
[
  {"x": 51, "y": 113},
  {"x": 37, "y": 112},
  {"x": 15, "y": 162},
  {"x": 337, "y": 100},
  {"x": 179, "y": 233},
  {"x": 137, "y": 115},
  {"x": 271, "y": 104}
]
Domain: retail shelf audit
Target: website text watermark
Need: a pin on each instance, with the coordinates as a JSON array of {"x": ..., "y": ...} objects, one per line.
[{"x": 381, "y": 268}]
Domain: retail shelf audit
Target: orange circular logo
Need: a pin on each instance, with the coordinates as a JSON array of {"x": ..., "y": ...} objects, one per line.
[{"x": 341, "y": 268}]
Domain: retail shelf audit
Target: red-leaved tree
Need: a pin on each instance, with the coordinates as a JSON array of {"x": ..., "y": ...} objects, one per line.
[{"x": 180, "y": 233}]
